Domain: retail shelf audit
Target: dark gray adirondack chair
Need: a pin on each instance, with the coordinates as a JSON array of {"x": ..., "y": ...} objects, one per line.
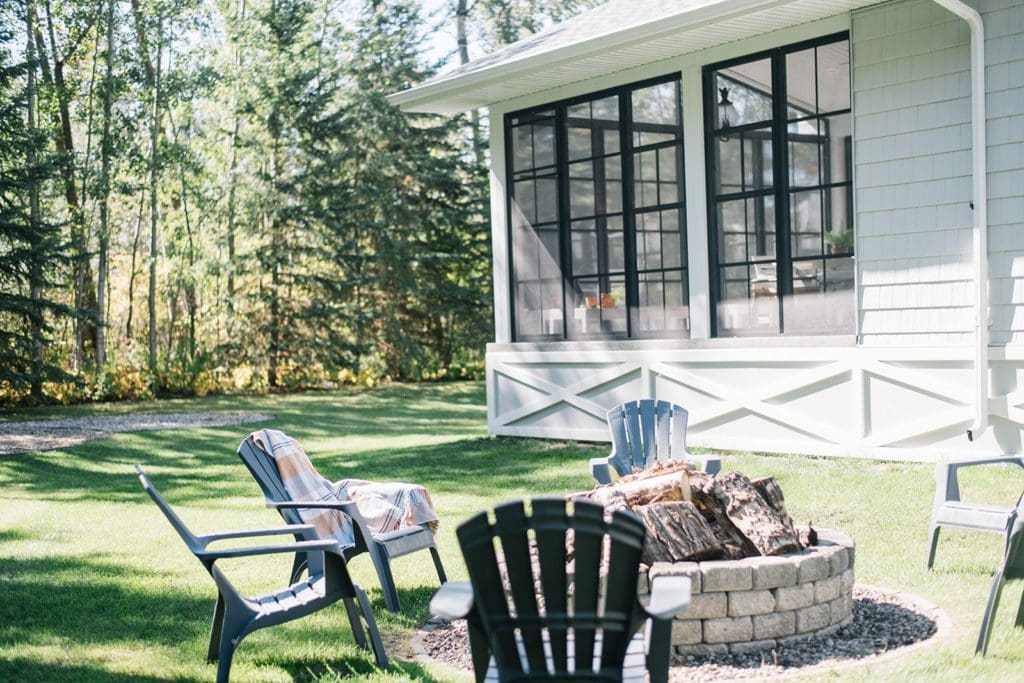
[
  {"x": 382, "y": 548},
  {"x": 949, "y": 510},
  {"x": 1012, "y": 568},
  {"x": 235, "y": 615},
  {"x": 576, "y": 629},
  {"x": 645, "y": 432}
]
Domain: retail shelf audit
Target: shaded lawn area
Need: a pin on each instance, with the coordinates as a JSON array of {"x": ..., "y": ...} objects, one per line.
[{"x": 97, "y": 586}]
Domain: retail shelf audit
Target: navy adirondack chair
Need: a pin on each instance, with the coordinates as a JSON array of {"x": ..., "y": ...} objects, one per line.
[
  {"x": 235, "y": 615},
  {"x": 949, "y": 510},
  {"x": 382, "y": 548},
  {"x": 580, "y": 624},
  {"x": 1012, "y": 568},
  {"x": 645, "y": 432}
]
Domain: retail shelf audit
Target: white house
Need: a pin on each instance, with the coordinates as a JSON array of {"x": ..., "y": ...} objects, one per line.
[{"x": 803, "y": 220}]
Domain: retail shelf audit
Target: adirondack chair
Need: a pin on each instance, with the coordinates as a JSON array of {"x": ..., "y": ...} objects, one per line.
[
  {"x": 584, "y": 622},
  {"x": 949, "y": 510},
  {"x": 1011, "y": 568},
  {"x": 235, "y": 615},
  {"x": 381, "y": 548},
  {"x": 644, "y": 432}
]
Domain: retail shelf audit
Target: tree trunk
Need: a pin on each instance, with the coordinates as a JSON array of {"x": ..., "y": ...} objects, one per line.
[
  {"x": 154, "y": 212},
  {"x": 133, "y": 273},
  {"x": 104, "y": 236},
  {"x": 85, "y": 288},
  {"x": 461, "y": 13},
  {"x": 236, "y": 126},
  {"x": 35, "y": 276}
]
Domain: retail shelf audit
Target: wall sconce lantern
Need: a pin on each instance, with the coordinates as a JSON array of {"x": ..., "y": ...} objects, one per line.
[{"x": 727, "y": 113}]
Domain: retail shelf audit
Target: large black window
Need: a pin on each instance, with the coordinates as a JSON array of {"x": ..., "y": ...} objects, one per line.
[
  {"x": 597, "y": 216},
  {"x": 780, "y": 188}
]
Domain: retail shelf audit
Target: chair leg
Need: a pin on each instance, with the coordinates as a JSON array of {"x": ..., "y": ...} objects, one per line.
[
  {"x": 371, "y": 625},
  {"x": 353, "y": 620},
  {"x": 990, "y": 613},
  {"x": 215, "y": 629},
  {"x": 659, "y": 650},
  {"x": 382, "y": 563},
  {"x": 479, "y": 648},
  {"x": 229, "y": 640},
  {"x": 1019, "y": 622},
  {"x": 298, "y": 566},
  {"x": 437, "y": 565},
  {"x": 933, "y": 543}
]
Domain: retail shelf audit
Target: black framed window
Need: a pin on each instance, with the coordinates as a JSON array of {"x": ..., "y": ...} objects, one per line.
[
  {"x": 596, "y": 216},
  {"x": 780, "y": 189}
]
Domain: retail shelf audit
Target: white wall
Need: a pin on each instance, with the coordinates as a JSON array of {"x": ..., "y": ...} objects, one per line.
[{"x": 911, "y": 88}]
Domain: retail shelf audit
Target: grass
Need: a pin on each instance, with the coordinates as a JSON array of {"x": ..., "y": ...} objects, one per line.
[{"x": 97, "y": 587}]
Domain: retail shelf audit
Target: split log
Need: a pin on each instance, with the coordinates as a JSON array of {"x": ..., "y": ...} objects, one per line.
[
  {"x": 677, "y": 532},
  {"x": 754, "y": 518},
  {"x": 772, "y": 494},
  {"x": 734, "y": 544},
  {"x": 659, "y": 484}
]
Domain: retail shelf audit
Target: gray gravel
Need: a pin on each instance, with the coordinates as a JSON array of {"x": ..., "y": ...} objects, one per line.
[
  {"x": 42, "y": 435},
  {"x": 882, "y": 621}
]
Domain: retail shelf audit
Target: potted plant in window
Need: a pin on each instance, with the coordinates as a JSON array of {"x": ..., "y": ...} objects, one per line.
[{"x": 841, "y": 242}]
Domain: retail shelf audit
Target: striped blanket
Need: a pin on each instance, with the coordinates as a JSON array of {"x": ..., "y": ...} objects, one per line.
[{"x": 385, "y": 506}]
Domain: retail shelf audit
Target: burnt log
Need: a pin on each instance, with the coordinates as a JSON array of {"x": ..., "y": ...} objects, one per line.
[
  {"x": 753, "y": 516},
  {"x": 677, "y": 532}
]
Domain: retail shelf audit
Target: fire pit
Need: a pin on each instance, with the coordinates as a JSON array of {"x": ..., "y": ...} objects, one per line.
[
  {"x": 757, "y": 581},
  {"x": 759, "y": 603}
]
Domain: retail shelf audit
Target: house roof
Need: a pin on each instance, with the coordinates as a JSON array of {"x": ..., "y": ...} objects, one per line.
[{"x": 618, "y": 35}]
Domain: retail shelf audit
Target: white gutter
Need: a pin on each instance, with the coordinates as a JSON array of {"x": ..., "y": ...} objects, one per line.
[{"x": 980, "y": 205}]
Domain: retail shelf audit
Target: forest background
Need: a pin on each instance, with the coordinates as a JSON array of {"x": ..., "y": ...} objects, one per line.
[{"x": 205, "y": 196}]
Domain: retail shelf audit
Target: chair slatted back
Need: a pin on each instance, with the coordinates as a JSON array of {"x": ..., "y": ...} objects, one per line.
[
  {"x": 264, "y": 471},
  {"x": 572, "y": 613},
  {"x": 645, "y": 432}
]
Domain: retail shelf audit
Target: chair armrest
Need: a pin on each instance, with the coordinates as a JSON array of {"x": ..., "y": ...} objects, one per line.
[
  {"x": 453, "y": 601},
  {"x": 669, "y": 596},
  {"x": 251, "y": 533},
  {"x": 970, "y": 462},
  {"x": 601, "y": 469},
  {"x": 346, "y": 506},
  {"x": 300, "y": 546}
]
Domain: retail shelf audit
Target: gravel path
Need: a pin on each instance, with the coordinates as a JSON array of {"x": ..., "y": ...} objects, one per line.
[
  {"x": 43, "y": 435},
  {"x": 883, "y": 621}
]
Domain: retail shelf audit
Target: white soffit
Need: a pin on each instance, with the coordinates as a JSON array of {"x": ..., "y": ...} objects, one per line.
[{"x": 619, "y": 35}]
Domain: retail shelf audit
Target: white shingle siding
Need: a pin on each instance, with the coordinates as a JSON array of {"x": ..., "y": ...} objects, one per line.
[{"x": 911, "y": 83}]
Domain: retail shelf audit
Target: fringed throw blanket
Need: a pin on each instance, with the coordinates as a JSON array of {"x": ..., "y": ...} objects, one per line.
[{"x": 385, "y": 506}]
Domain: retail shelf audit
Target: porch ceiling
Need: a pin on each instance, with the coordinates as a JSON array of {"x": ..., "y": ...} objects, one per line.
[{"x": 619, "y": 35}]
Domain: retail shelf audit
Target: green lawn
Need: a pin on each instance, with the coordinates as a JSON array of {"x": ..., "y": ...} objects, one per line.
[{"x": 96, "y": 585}]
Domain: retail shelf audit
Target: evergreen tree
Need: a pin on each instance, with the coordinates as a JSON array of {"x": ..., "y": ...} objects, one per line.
[{"x": 31, "y": 251}]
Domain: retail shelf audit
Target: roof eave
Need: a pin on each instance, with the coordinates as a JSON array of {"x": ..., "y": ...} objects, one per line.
[{"x": 438, "y": 97}]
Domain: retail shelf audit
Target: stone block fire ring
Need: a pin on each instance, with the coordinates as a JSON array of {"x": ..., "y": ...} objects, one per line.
[{"x": 760, "y": 603}]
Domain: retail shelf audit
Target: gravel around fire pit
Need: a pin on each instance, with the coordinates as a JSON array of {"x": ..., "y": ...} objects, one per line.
[
  {"x": 883, "y": 621},
  {"x": 43, "y": 435}
]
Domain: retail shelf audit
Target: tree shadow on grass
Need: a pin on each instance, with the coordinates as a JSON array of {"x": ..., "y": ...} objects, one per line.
[
  {"x": 94, "y": 602},
  {"x": 22, "y": 669}
]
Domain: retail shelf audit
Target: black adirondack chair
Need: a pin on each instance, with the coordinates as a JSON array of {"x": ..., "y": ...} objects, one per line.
[
  {"x": 579, "y": 624},
  {"x": 382, "y": 548},
  {"x": 1012, "y": 568},
  {"x": 235, "y": 615}
]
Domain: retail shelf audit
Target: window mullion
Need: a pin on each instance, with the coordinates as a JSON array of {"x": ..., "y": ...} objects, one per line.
[
  {"x": 564, "y": 233},
  {"x": 780, "y": 169},
  {"x": 629, "y": 213}
]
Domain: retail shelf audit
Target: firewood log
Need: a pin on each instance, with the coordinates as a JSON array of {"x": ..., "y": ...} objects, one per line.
[{"x": 754, "y": 518}]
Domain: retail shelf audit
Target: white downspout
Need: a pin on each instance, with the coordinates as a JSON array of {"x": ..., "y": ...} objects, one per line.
[{"x": 980, "y": 205}]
